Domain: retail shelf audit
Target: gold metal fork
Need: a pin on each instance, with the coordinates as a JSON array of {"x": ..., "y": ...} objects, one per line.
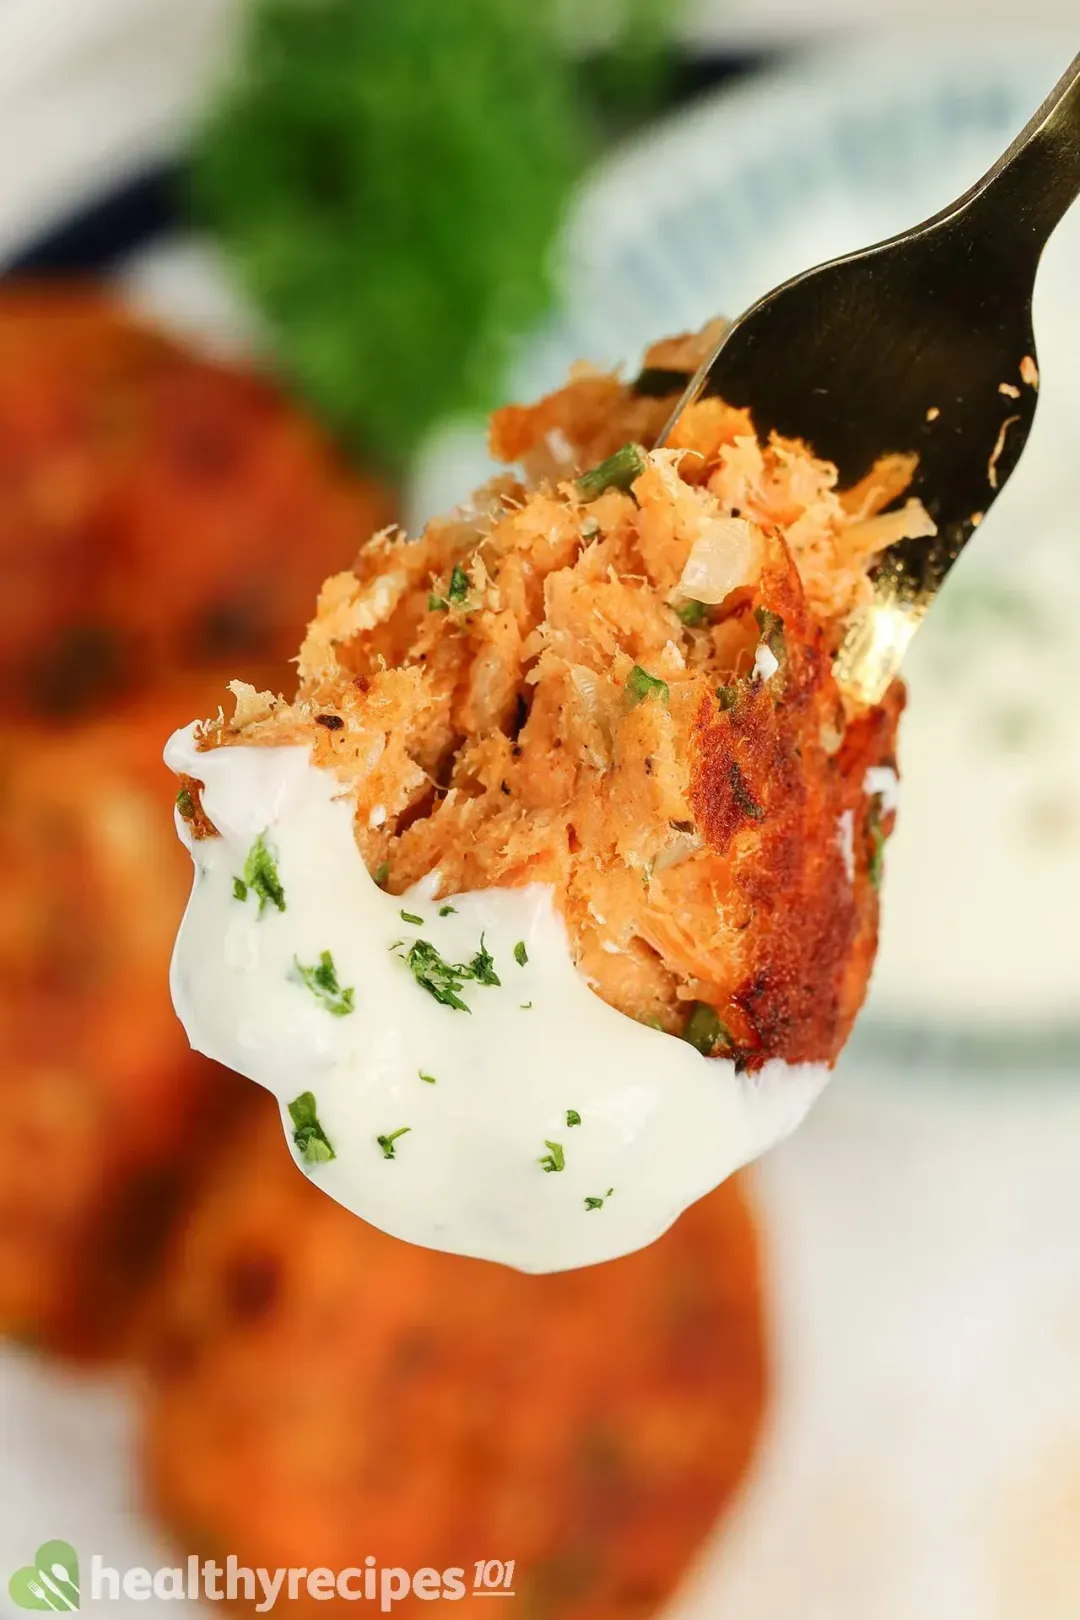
[{"x": 923, "y": 343}]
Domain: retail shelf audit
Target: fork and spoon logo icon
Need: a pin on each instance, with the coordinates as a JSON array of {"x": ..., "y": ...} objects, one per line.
[{"x": 51, "y": 1582}]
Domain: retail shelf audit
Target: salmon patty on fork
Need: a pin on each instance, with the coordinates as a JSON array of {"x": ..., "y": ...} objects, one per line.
[{"x": 607, "y": 681}]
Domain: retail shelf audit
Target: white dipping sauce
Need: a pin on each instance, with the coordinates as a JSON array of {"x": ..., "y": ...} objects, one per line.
[{"x": 660, "y": 1125}]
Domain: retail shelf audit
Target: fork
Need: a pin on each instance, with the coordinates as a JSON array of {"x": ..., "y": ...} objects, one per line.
[{"x": 921, "y": 343}]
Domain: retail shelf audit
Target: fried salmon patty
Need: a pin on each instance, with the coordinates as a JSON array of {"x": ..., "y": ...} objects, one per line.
[
  {"x": 157, "y": 509},
  {"x": 101, "y": 1098},
  {"x": 617, "y": 680},
  {"x": 320, "y": 1393}
]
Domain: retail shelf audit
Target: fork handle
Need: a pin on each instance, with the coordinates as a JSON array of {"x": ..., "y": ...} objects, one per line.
[{"x": 1032, "y": 186}]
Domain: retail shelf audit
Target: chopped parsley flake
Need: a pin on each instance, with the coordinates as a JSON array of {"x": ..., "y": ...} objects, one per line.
[
  {"x": 573, "y": 1117},
  {"x": 727, "y": 696},
  {"x": 381, "y": 873},
  {"x": 322, "y": 981},
  {"x": 437, "y": 604},
  {"x": 706, "y": 1030},
  {"x": 411, "y": 917},
  {"x": 448, "y": 911},
  {"x": 387, "y": 1142},
  {"x": 261, "y": 875},
  {"x": 526, "y": 1006},
  {"x": 639, "y": 683},
  {"x": 771, "y": 626},
  {"x": 617, "y": 472},
  {"x": 428, "y": 1079},
  {"x": 742, "y": 795},
  {"x": 458, "y": 588},
  {"x": 239, "y": 889},
  {"x": 876, "y": 864},
  {"x": 692, "y": 613},
  {"x": 521, "y": 955},
  {"x": 312, "y": 1142},
  {"x": 482, "y": 966},
  {"x": 598, "y": 1203},
  {"x": 438, "y": 977},
  {"x": 185, "y": 804},
  {"x": 445, "y": 980},
  {"x": 555, "y": 1159}
]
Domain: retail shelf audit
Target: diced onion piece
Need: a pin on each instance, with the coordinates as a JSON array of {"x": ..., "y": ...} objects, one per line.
[{"x": 725, "y": 556}]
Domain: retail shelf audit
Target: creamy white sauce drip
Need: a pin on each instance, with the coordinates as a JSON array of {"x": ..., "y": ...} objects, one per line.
[{"x": 660, "y": 1124}]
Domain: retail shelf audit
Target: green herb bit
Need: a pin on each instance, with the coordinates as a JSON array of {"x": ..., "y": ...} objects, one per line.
[
  {"x": 428, "y": 1079},
  {"x": 322, "y": 981},
  {"x": 639, "y": 683},
  {"x": 521, "y": 955},
  {"x": 771, "y": 626},
  {"x": 186, "y": 805},
  {"x": 706, "y": 1030},
  {"x": 727, "y": 696},
  {"x": 617, "y": 472},
  {"x": 381, "y": 873},
  {"x": 437, "y": 604},
  {"x": 312, "y": 1142},
  {"x": 555, "y": 1159},
  {"x": 525, "y": 1006},
  {"x": 692, "y": 613},
  {"x": 239, "y": 889},
  {"x": 261, "y": 874},
  {"x": 482, "y": 966},
  {"x": 742, "y": 795},
  {"x": 573, "y": 1117},
  {"x": 411, "y": 917},
  {"x": 438, "y": 977},
  {"x": 387, "y": 1142},
  {"x": 448, "y": 911},
  {"x": 458, "y": 588},
  {"x": 598, "y": 1203},
  {"x": 876, "y": 863}
]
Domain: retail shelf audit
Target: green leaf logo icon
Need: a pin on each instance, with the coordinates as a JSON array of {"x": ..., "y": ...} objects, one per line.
[{"x": 51, "y": 1582}]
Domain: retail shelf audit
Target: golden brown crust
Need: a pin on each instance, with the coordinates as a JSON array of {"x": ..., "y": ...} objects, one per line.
[
  {"x": 101, "y": 1097},
  {"x": 320, "y": 1392},
  {"x": 160, "y": 510}
]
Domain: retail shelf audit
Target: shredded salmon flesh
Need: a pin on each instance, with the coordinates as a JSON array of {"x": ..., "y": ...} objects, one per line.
[{"x": 627, "y": 693}]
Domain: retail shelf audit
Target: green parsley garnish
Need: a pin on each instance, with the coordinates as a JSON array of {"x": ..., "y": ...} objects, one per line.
[
  {"x": 525, "y": 1006},
  {"x": 617, "y": 472},
  {"x": 458, "y": 588},
  {"x": 706, "y": 1030},
  {"x": 387, "y": 1142},
  {"x": 573, "y": 1117},
  {"x": 727, "y": 696},
  {"x": 771, "y": 626},
  {"x": 876, "y": 864},
  {"x": 186, "y": 805},
  {"x": 261, "y": 874},
  {"x": 322, "y": 981},
  {"x": 482, "y": 966},
  {"x": 428, "y": 1079},
  {"x": 692, "y": 613},
  {"x": 312, "y": 1142},
  {"x": 742, "y": 795},
  {"x": 521, "y": 955},
  {"x": 437, "y": 604},
  {"x": 556, "y": 1159},
  {"x": 381, "y": 873},
  {"x": 411, "y": 917},
  {"x": 639, "y": 683},
  {"x": 598, "y": 1203},
  {"x": 239, "y": 889},
  {"x": 438, "y": 977},
  {"x": 448, "y": 911}
]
